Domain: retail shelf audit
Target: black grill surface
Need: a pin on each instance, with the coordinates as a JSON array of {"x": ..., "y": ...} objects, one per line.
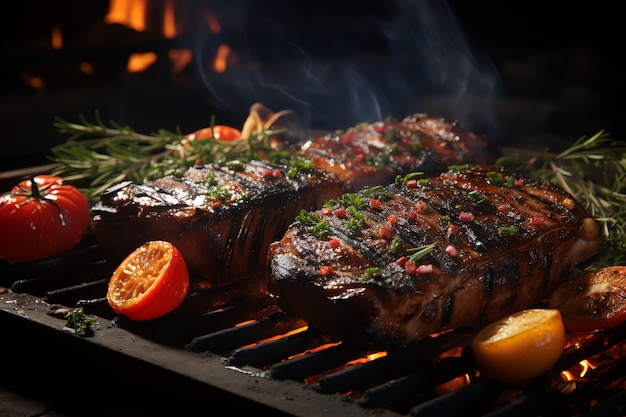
[{"x": 225, "y": 348}]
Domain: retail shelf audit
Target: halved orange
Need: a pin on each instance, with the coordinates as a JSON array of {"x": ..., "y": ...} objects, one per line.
[
  {"x": 150, "y": 282},
  {"x": 521, "y": 346}
]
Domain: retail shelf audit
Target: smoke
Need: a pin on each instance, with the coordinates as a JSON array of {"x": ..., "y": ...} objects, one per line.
[{"x": 338, "y": 65}]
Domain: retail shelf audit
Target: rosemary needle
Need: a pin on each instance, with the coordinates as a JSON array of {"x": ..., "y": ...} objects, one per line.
[
  {"x": 99, "y": 156},
  {"x": 593, "y": 170}
]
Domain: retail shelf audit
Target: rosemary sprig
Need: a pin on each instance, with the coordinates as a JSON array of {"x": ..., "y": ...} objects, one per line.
[
  {"x": 593, "y": 170},
  {"x": 98, "y": 156}
]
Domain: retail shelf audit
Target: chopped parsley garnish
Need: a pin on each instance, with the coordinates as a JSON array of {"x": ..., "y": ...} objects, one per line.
[
  {"x": 495, "y": 178},
  {"x": 314, "y": 224},
  {"x": 351, "y": 200},
  {"x": 297, "y": 166},
  {"x": 356, "y": 220},
  {"x": 507, "y": 231},
  {"x": 218, "y": 193},
  {"x": 476, "y": 197},
  {"x": 395, "y": 244},
  {"x": 371, "y": 273},
  {"x": 79, "y": 321}
]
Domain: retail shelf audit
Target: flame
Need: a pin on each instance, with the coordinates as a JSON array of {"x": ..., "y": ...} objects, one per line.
[
  {"x": 269, "y": 339},
  {"x": 169, "y": 20},
  {"x": 57, "y": 37},
  {"x": 368, "y": 358},
  {"x": 221, "y": 58},
  {"x": 133, "y": 13},
  {"x": 212, "y": 22},
  {"x": 317, "y": 349},
  {"x": 574, "y": 375}
]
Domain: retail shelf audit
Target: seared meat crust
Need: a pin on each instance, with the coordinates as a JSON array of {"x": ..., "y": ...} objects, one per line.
[{"x": 425, "y": 255}]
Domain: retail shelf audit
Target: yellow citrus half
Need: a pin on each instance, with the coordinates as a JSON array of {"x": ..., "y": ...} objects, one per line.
[{"x": 521, "y": 346}]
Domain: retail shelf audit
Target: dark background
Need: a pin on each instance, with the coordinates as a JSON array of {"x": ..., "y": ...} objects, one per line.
[{"x": 518, "y": 73}]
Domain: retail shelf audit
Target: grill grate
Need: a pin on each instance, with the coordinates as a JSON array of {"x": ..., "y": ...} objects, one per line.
[{"x": 252, "y": 336}]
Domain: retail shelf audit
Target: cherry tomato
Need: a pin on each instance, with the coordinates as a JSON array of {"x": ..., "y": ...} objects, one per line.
[
  {"x": 41, "y": 218},
  {"x": 150, "y": 282},
  {"x": 521, "y": 346},
  {"x": 220, "y": 132},
  {"x": 594, "y": 300}
]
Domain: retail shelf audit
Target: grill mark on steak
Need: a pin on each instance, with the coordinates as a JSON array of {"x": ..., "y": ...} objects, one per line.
[{"x": 523, "y": 238}]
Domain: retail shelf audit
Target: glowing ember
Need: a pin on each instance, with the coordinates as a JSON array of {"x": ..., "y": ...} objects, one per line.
[
  {"x": 368, "y": 358},
  {"x": 280, "y": 336}
]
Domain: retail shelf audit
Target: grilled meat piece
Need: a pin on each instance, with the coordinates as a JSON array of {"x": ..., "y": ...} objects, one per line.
[
  {"x": 424, "y": 255},
  {"x": 373, "y": 154},
  {"x": 221, "y": 218}
]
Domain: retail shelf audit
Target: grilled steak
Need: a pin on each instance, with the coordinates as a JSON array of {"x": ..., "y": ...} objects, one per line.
[
  {"x": 373, "y": 154},
  {"x": 223, "y": 219},
  {"x": 424, "y": 255}
]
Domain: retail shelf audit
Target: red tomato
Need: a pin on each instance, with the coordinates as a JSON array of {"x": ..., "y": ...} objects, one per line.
[
  {"x": 594, "y": 300},
  {"x": 41, "y": 219},
  {"x": 150, "y": 282},
  {"x": 219, "y": 132}
]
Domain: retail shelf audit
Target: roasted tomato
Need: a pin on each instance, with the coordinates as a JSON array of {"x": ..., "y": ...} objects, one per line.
[
  {"x": 219, "y": 132},
  {"x": 521, "y": 346},
  {"x": 41, "y": 218},
  {"x": 150, "y": 282},
  {"x": 594, "y": 300}
]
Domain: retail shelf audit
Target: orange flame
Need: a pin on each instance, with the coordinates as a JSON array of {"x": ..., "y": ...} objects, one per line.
[
  {"x": 368, "y": 358},
  {"x": 221, "y": 58},
  {"x": 57, "y": 37},
  {"x": 133, "y": 13},
  {"x": 572, "y": 375},
  {"x": 269, "y": 339}
]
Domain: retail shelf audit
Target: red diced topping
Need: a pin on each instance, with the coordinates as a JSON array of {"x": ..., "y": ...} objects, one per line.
[
  {"x": 379, "y": 127},
  {"x": 348, "y": 137},
  {"x": 341, "y": 212},
  {"x": 392, "y": 219},
  {"x": 326, "y": 270},
  {"x": 538, "y": 220},
  {"x": 375, "y": 203},
  {"x": 451, "y": 229},
  {"x": 411, "y": 184},
  {"x": 198, "y": 163},
  {"x": 359, "y": 158},
  {"x": 519, "y": 182},
  {"x": 334, "y": 243},
  {"x": 357, "y": 150},
  {"x": 411, "y": 214},
  {"x": 451, "y": 250},
  {"x": 424, "y": 269},
  {"x": 216, "y": 204},
  {"x": 265, "y": 173},
  {"x": 276, "y": 173},
  {"x": 385, "y": 231},
  {"x": 421, "y": 207},
  {"x": 401, "y": 260},
  {"x": 325, "y": 211},
  {"x": 466, "y": 216},
  {"x": 410, "y": 267},
  {"x": 503, "y": 207}
]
